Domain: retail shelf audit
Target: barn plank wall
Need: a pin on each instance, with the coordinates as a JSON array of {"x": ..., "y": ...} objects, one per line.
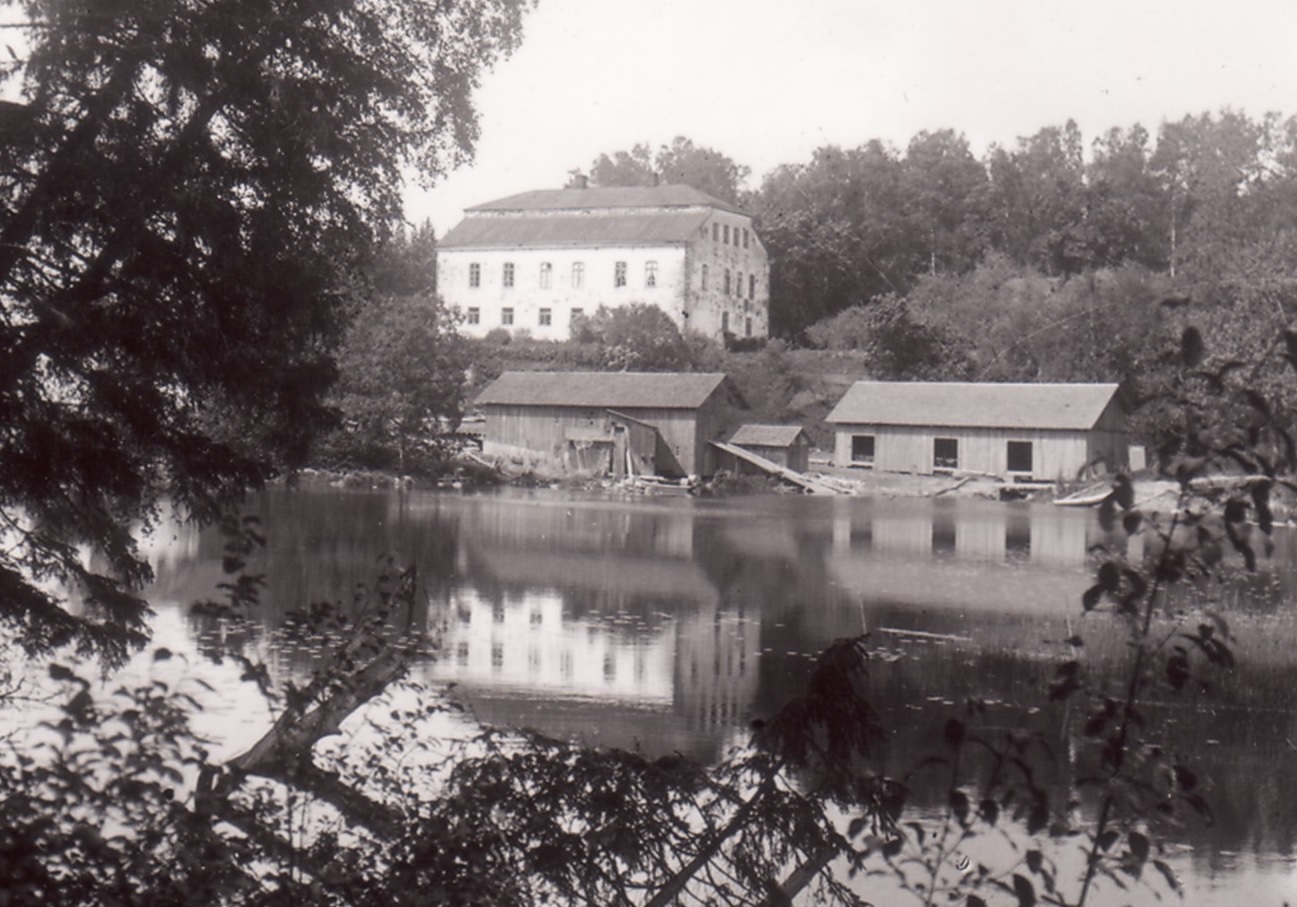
[{"x": 1056, "y": 455}]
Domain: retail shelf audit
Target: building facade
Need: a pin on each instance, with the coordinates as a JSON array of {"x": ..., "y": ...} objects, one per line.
[
  {"x": 536, "y": 261},
  {"x": 617, "y": 423},
  {"x": 1021, "y": 432}
]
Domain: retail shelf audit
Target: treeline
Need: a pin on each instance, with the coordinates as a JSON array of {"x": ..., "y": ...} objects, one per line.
[{"x": 854, "y": 224}]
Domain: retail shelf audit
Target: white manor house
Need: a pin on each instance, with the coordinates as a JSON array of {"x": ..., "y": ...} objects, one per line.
[{"x": 532, "y": 262}]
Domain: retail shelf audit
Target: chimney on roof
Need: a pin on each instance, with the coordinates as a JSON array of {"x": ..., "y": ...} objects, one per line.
[{"x": 577, "y": 180}]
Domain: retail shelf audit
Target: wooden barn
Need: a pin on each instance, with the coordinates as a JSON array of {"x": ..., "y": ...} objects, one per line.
[
  {"x": 786, "y": 445},
  {"x": 613, "y": 423},
  {"x": 1021, "y": 432}
]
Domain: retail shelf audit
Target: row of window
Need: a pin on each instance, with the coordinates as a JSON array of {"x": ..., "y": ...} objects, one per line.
[
  {"x": 733, "y": 285},
  {"x": 736, "y": 283},
  {"x": 945, "y": 453},
  {"x": 545, "y": 318},
  {"x": 721, "y": 233},
  {"x": 546, "y": 278}
]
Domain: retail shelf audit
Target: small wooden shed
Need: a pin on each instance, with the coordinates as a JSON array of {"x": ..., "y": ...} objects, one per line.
[
  {"x": 787, "y": 445},
  {"x": 652, "y": 423},
  {"x": 1022, "y": 432}
]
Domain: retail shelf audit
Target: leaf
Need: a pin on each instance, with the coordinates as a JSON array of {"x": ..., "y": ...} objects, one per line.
[
  {"x": 1167, "y": 874},
  {"x": 1091, "y": 598},
  {"x": 1138, "y": 847},
  {"x": 1123, "y": 492},
  {"x": 161, "y": 653},
  {"x": 959, "y": 805},
  {"x": 1025, "y": 891},
  {"x": 1035, "y": 860},
  {"x": 1107, "y": 839},
  {"x": 990, "y": 810},
  {"x": 975, "y": 901}
]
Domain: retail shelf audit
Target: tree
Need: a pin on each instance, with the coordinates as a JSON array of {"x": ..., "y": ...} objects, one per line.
[
  {"x": 682, "y": 162},
  {"x": 187, "y": 192},
  {"x": 636, "y": 337},
  {"x": 839, "y": 233},
  {"x": 946, "y": 190},
  {"x": 400, "y": 366}
]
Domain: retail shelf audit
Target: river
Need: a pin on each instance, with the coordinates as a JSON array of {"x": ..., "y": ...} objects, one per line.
[{"x": 670, "y": 623}]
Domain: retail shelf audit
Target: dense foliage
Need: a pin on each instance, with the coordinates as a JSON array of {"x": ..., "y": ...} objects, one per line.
[
  {"x": 401, "y": 367},
  {"x": 188, "y": 191}
]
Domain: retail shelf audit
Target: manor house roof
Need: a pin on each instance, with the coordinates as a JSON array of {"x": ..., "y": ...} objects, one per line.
[
  {"x": 606, "y": 215},
  {"x": 974, "y": 405}
]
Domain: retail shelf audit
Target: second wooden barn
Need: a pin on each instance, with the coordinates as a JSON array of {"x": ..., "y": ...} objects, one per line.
[
  {"x": 1017, "y": 431},
  {"x": 611, "y": 422}
]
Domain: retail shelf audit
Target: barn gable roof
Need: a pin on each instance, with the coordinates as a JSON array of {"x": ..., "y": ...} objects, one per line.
[
  {"x": 758, "y": 435},
  {"x": 608, "y": 390},
  {"x": 974, "y": 405}
]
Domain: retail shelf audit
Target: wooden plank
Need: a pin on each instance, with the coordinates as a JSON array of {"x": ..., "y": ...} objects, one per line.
[{"x": 774, "y": 469}]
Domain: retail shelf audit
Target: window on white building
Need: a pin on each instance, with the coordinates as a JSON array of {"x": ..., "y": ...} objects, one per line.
[
  {"x": 716, "y": 232},
  {"x": 745, "y": 237},
  {"x": 508, "y": 274},
  {"x": 619, "y": 274},
  {"x": 727, "y": 281},
  {"x": 577, "y": 312},
  {"x": 725, "y": 322},
  {"x": 752, "y": 286},
  {"x": 546, "y": 274},
  {"x": 578, "y": 275},
  {"x": 546, "y": 317},
  {"x": 506, "y": 316},
  {"x": 738, "y": 284},
  {"x": 650, "y": 274},
  {"x": 704, "y": 272},
  {"x": 475, "y": 275},
  {"x": 473, "y": 315}
]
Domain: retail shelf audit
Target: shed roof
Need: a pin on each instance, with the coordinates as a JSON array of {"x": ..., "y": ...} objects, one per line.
[
  {"x": 757, "y": 435},
  {"x": 973, "y": 405},
  {"x": 575, "y": 229},
  {"x": 670, "y": 195},
  {"x": 613, "y": 390}
]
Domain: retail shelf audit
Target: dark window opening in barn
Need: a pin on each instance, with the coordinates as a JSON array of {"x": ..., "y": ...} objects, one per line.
[
  {"x": 475, "y": 275},
  {"x": 546, "y": 317},
  {"x": 862, "y": 449},
  {"x": 506, "y": 316},
  {"x": 1017, "y": 536},
  {"x": 945, "y": 453},
  {"x": 508, "y": 274},
  {"x": 619, "y": 274},
  {"x": 1019, "y": 456}
]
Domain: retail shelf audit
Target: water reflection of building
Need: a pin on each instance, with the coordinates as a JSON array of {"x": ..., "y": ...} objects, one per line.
[{"x": 716, "y": 668}]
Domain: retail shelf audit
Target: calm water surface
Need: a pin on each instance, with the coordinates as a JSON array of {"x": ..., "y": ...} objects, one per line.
[{"x": 670, "y": 623}]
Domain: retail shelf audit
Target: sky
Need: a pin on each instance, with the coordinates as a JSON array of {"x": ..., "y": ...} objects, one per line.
[{"x": 766, "y": 82}]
